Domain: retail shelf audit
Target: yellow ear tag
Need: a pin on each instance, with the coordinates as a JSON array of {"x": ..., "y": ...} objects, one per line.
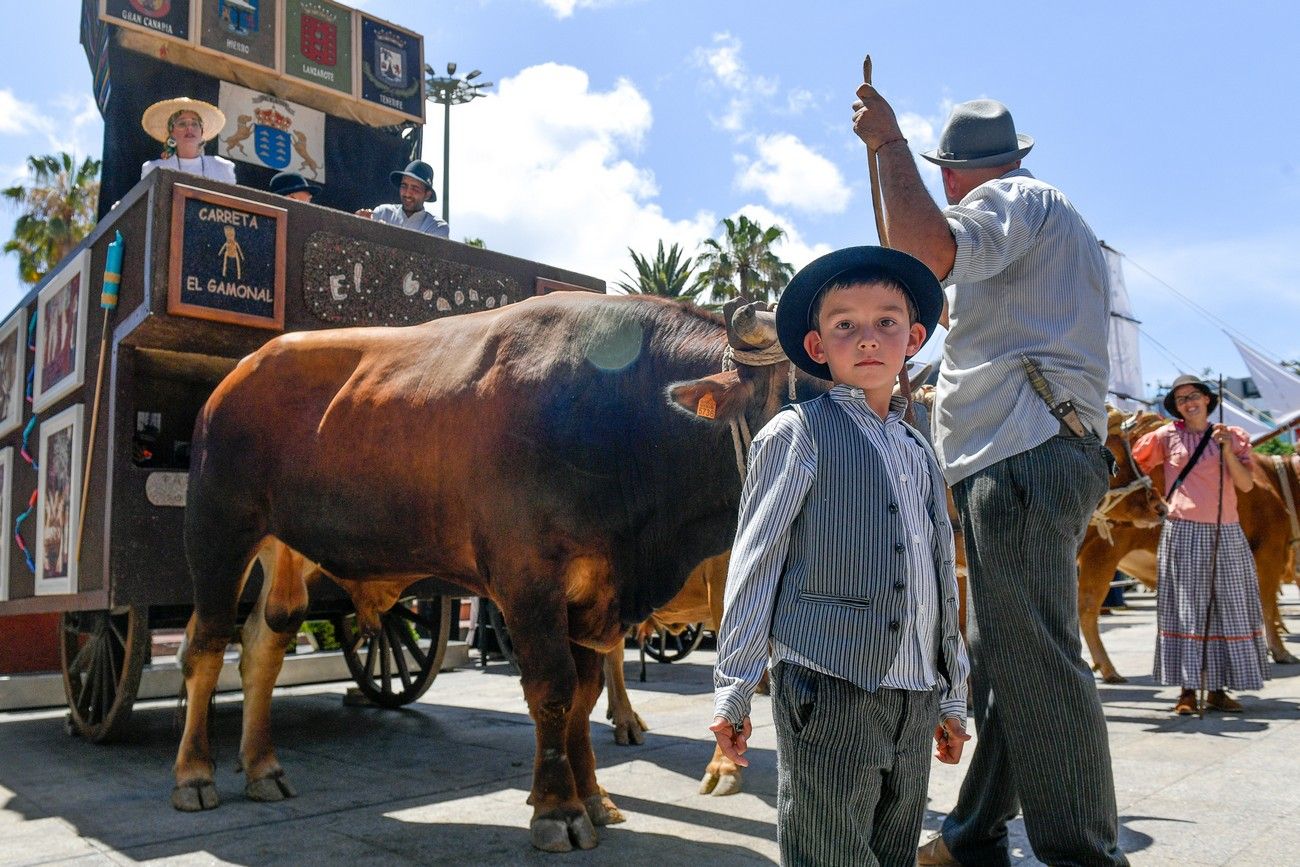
[{"x": 707, "y": 407}]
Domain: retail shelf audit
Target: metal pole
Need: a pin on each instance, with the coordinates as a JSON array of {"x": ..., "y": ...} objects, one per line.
[{"x": 446, "y": 155}]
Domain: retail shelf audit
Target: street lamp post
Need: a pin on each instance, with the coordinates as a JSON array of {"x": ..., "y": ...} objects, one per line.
[{"x": 450, "y": 90}]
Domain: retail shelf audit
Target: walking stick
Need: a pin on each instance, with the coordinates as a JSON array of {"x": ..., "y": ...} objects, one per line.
[
  {"x": 1214, "y": 571},
  {"x": 876, "y": 203},
  {"x": 878, "y": 206},
  {"x": 107, "y": 301}
]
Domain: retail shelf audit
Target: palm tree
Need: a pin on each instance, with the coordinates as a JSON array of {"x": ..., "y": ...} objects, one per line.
[
  {"x": 668, "y": 275},
  {"x": 56, "y": 211},
  {"x": 743, "y": 264}
]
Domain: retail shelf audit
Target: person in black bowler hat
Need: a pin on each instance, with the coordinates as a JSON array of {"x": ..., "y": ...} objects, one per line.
[
  {"x": 842, "y": 569},
  {"x": 415, "y": 186},
  {"x": 292, "y": 185}
]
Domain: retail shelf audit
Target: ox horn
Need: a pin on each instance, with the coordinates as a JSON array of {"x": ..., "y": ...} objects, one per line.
[{"x": 754, "y": 325}]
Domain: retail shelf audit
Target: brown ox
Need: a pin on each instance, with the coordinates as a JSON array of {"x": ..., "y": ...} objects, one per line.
[
  {"x": 1264, "y": 519},
  {"x": 537, "y": 454}
]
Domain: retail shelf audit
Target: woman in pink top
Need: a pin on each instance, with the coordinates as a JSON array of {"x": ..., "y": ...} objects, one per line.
[{"x": 1233, "y": 649}]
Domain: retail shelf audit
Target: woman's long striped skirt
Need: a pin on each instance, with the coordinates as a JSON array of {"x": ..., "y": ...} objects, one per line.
[{"x": 1234, "y": 650}]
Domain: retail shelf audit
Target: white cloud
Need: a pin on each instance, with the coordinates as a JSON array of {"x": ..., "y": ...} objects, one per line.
[
  {"x": 790, "y": 173},
  {"x": 543, "y": 169},
  {"x": 799, "y": 100},
  {"x": 565, "y": 8},
  {"x": 15, "y": 115},
  {"x": 70, "y": 123},
  {"x": 728, "y": 73}
]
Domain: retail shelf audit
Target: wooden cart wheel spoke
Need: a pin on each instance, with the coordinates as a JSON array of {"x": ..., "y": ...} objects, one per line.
[
  {"x": 103, "y": 655},
  {"x": 666, "y": 647},
  {"x": 383, "y": 672},
  {"x": 392, "y": 633},
  {"x": 411, "y": 643},
  {"x": 413, "y": 616}
]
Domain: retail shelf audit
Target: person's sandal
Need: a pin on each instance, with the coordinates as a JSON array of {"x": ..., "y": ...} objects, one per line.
[
  {"x": 1186, "y": 703},
  {"x": 1220, "y": 700}
]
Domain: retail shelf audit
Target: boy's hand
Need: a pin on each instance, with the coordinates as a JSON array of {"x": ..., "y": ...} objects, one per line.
[
  {"x": 733, "y": 742},
  {"x": 949, "y": 738}
]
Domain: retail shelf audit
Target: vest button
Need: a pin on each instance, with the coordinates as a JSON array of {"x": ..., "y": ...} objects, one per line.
[
  {"x": 900, "y": 584},
  {"x": 893, "y": 626},
  {"x": 893, "y": 508},
  {"x": 900, "y": 547}
]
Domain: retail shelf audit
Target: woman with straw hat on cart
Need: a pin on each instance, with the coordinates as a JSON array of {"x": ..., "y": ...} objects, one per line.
[
  {"x": 183, "y": 125},
  {"x": 1209, "y": 626}
]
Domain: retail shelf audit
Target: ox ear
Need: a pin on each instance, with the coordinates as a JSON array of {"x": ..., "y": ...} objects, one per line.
[{"x": 717, "y": 399}]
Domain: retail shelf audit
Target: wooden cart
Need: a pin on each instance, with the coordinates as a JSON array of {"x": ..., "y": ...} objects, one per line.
[{"x": 210, "y": 273}]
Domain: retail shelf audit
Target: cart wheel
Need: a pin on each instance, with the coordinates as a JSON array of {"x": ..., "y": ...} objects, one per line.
[
  {"x": 505, "y": 644},
  {"x": 102, "y": 653},
  {"x": 397, "y": 666},
  {"x": 666, "y": 647}
]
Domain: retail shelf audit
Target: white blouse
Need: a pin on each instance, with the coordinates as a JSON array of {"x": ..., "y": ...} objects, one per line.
[{"x": 205, "y": 165}]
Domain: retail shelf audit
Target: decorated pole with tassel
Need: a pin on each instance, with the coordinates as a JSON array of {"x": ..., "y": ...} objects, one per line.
[{"x": 108, "y": 302}]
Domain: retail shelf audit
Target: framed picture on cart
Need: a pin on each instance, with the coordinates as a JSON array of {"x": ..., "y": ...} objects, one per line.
[
  {"x": 57, "y": 507},
  {"x": 61, "y": 333},
  {"x": 13, "y": 355}
]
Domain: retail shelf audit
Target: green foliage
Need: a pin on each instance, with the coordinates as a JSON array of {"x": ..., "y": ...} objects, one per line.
[
  {"x": 742, "y": 264},
  {"x": 475, "y": 242},
  {"x": 55, "y": 211},
  {"x": 668, "y": 275},
  {"x": 1276, "y": 446},
  {"x": 323, "y": 632}
]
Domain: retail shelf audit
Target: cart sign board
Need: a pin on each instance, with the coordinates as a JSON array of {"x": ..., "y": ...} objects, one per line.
[
  {"x": 227, "y": 259},
  {"x": 318, "y": 43},
  {"x": 392, "y": 67},
  {"x": 169, "y": 18},
  {"x": 243, "y": 29}
]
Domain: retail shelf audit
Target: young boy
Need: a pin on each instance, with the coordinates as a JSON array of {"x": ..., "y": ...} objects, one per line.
[{"x": 843, "y": 563}]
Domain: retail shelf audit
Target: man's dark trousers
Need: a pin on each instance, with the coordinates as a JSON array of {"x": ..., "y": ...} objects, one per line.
[{"x": 1041, "y": 743}]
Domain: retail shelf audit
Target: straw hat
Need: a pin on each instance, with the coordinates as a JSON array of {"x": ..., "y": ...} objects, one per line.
[{"x": 156, "y": 116}]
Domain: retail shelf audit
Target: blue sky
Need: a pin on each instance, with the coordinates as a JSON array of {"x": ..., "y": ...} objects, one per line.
[{"x": 618, "y": 122}]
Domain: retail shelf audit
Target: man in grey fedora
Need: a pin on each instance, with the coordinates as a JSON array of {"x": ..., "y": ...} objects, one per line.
[
  {"x": 414, "y": 187},
  {"x": 1023, "y": 277}
]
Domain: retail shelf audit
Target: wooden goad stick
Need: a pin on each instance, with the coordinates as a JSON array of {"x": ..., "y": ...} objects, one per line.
[{"x": 876, "y": 203}]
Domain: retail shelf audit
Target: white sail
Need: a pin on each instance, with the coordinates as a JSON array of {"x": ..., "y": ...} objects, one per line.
[
  {"x": 1125, "y": 361},
  {"x": 1279, "y": 388},
  {"x": 1235, "y": 415}
]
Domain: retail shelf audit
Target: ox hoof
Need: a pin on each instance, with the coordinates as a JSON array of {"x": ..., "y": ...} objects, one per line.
[
  {"x": 272, "y": 788},
  {"x": 562, "y": 834},
  {"x": 630, "y": 732},
  {"x": 196, "y": 796},
  {"x": 1114, "y": 677},
  {"x": 719, "y": 785},
  {"x": 603, "y": 811}
]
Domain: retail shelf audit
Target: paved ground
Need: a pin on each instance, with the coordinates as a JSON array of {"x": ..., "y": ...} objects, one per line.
[{"x": 444, "y": 781}]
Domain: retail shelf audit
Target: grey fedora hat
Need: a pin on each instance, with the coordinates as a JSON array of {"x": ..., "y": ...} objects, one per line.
[
  {"x": 978, "y": 134},
  {"x": 420, "y": 171}
]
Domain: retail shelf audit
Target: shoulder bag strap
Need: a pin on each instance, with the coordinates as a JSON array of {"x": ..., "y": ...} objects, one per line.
[{"x": 1196, "y": 455}]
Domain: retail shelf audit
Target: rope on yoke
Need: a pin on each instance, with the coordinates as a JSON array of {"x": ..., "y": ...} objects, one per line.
[
  {"x": 1101, "y": 515},
  {"x": 740, "y": 435}
]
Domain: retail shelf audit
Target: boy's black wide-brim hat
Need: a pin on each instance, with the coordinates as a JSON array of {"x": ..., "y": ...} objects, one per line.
[
  {"x": 855, "y": 264},
  {"x": 1201, "y": 386}
]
